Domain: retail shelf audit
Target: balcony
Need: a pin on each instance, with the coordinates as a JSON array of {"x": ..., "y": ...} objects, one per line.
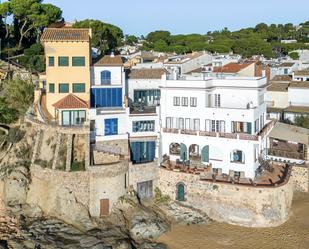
[
  {"x": 140, "y": 109},
  {"x": 241, "y": 136}
]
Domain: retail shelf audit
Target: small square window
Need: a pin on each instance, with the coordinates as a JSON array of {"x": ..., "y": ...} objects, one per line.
[
  {"x": 51, "y": 61},
  {"x": 63, "y": 61},
  {"x": 79, "y": 88},
  {"x": 51, "y": 87},
  {"x": 63, "y": 88},
  {"x": 78, "y": 61}
]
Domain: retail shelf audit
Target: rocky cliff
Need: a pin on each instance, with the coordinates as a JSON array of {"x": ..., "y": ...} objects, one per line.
[{"x": 35, "y": 213}]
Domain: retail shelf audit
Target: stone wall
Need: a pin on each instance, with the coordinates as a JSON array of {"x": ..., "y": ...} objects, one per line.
[
  {"x": 76, "y": 182},
  {"x": 142, "y": 173},
  {"x": 234, "y": 204},
  {"x": 107, "y": 182},
  {"x": 300, "y": 177}
]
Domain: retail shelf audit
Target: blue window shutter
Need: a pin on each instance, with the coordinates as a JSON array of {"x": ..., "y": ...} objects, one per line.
[
  {"x": 249, "y": 128},
  {"x": 92, "y": 98}
]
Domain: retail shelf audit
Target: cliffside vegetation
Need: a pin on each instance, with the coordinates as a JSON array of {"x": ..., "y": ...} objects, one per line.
[{"x": 16, "y": 96}]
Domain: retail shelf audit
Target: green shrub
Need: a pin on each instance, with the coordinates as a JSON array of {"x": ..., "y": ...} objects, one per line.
[{"x": 160, "y": 198}]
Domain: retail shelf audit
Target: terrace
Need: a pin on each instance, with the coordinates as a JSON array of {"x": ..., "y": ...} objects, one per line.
[
  {"x": 241, "y": 136},
  {"x": 269, "y": 174}
]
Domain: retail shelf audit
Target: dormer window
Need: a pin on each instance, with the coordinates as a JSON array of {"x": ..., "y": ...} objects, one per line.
[{"x": 105, "y": 77}]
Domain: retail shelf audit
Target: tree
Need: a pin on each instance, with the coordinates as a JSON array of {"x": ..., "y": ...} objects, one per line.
[
  {"x": 158, "y": 35},
  {"x": 5, "y": 12},
  {"x": 33, "y": 15},
  {"x": 302, "y": 121},
  {"x": 294, "y": 55},
  {"x": 19, "y": 94},
  {"x": 131, "y": 40},
  {"x": 7, "y": 115},
  {"x": 105, "y": 37},
  {"x": 33, "y": 58}
]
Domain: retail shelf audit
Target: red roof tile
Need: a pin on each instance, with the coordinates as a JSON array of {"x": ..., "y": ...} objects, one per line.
[
  {"x": 71, "y": 102},
  {"x": 109, "y": 60},
  {"x": 232, "y": 67}
]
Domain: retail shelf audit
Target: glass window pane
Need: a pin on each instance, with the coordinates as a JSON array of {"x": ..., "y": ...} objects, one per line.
[
  {"x": 63, "y": 61},
  {"x": 63, "y": 88},
  {"x": 79, "y": 88},
  {"x": 78, "y": 61}
]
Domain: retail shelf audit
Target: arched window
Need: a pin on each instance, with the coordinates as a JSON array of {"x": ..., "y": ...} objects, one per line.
[
  {"x": 180, "y": 192},
  {"x": 237, "y": 156},
  {"x": 194, "y": 152},
  {"x": 174, "y": 149},
  {"x": 105, "y": 77}
]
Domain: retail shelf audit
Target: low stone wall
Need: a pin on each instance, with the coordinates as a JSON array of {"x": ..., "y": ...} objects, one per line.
[
  {"x": 107, "y": 182},
  {"x": 234, "y": 204},
  {"x": 142, "y": 173},
  {"x": 300, "y": 177},
  {"x": 77, "y": 182}
]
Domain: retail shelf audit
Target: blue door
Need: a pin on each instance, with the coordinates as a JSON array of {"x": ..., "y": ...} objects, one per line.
[
  {"x": 111, "y": 126},
  {"x": 205, "y": 154},
  {"x": 183, "y": 152}
]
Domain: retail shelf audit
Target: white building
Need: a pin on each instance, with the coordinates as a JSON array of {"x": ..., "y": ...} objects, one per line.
[
  {"x": 186, "y": 63},
  {"x": 214, "y": 122},
  {"x": 109, "y": 112}
]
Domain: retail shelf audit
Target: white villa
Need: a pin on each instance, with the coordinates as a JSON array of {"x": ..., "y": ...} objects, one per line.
[{"x": 214, "y": 122}]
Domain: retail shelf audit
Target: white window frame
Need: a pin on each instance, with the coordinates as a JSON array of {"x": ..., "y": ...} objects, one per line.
[
  {"x": 176, "y": 101},
  {"x": 184, "y": 101},
  {"x": 196, "y": 124},
  {"x": 193, "y": 102},
  {"x": 169, "y": 122},
  {"x": 217, "y": 100}
]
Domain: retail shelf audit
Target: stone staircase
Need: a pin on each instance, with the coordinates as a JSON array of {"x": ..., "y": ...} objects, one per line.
[
  {"x": 58, "y": 142},
  {"x": 69, "y": 152}
]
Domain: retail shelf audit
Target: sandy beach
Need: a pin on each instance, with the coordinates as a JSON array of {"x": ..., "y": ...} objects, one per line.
[{"x": 294, "y": 234}]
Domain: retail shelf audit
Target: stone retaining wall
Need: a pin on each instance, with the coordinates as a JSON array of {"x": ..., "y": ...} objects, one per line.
[
  {"x": 77, "y": 182},
  {"x": 142, "y": 173},
  {"x": 300, "y": 177},
  {"x": 234, "y": 204}
]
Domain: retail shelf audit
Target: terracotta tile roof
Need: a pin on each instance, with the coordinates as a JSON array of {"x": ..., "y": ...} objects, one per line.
[
  {"x": 65, "y": 34},
  {"x": 152, "y": 73},
  {"x": 232, "y": 67},
  {"x": 299, "y": 84},
  {"x": 71, "y": 102},
  {"x": 286, "y": 78},
  {"x": 109, "y": 60},
  {"x": 302, "y": 73},
  {"x": 278, "y": 87}
]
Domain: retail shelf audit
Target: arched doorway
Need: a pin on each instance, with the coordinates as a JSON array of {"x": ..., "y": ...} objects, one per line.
[
  {"x": 180, "y": 192},
  {"x": 183, "y": 152},
  {"x": 205, "y": 154},
  {"x": 175, "y": 149},
  {"x": 194, "y": 152}
]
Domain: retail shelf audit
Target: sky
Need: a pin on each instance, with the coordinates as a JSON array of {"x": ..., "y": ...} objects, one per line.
[{"x": 139, "y": 17}]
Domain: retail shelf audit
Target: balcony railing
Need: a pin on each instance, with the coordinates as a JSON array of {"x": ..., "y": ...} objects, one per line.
[
  {"x": 286, "y": 154},
  {"x": 241, "y": 136}
]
